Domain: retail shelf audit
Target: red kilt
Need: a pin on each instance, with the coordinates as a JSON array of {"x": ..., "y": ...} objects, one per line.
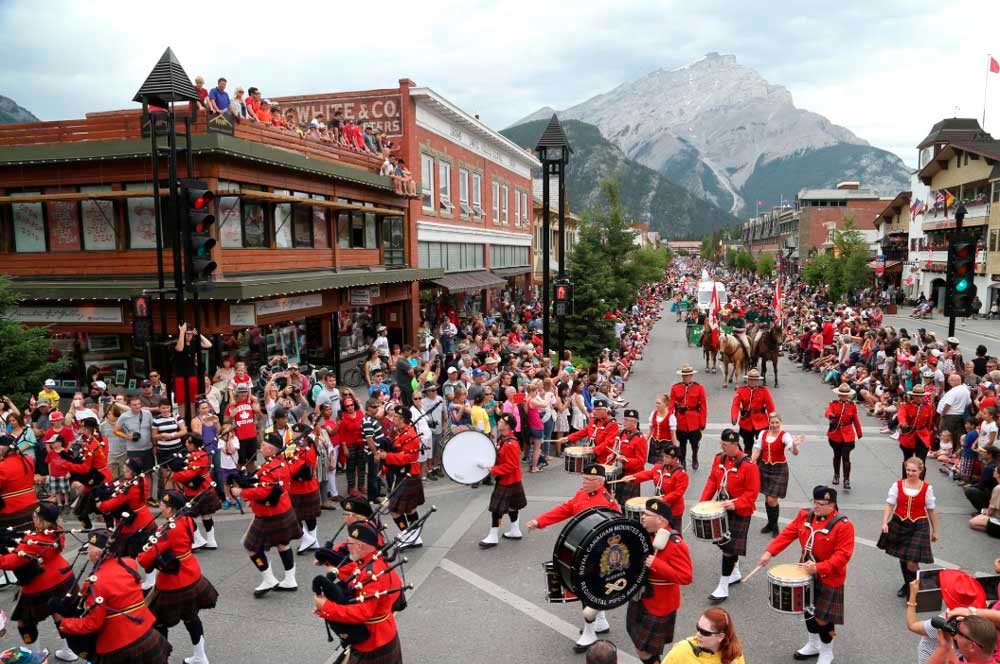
[
  {"x": 18, "y": 520},
  {"x": 908, "y": 540},
  {"x": 206, "y": 505},
  {"x": 649, "y": 633},
  {"x": 34, "y": 607},
  {"x": 306, "y": 505},
  {"x": 173, "y": 606},
  {"x": 390, "y": 653},
  {"x": 408, "y": 497},
  {"x": 773, "y": 478},
  {"x": 507, "y": 498},
  {"x": 739, "y": 528},
  {"x": 828, "y": 603},
  {"x": 268, "y": 531},
  {"x": 131, "y": 545},
  {"x": 151, "y": 648}
]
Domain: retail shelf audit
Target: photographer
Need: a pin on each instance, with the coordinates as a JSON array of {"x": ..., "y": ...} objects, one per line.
[
  {"x": 959, "y": 592},
  {"x": 971, "y": 639},
  {"x": 135, "y": 428}
]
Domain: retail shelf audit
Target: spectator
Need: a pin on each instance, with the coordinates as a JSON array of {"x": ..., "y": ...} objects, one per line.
[
  {"x": 975, "y": 643},
  {"x": 953, "y": 405},
  {"x": 253, "y": 103},
  {"x": 958, "y": 589},
  {"x": 187, "y": 353},
  {"x": 199, "y": 88},
  {"x": 264, "y": 114},
  {"x": 159, "y": 388},
  {"x": 988, "y": 520},
  {"x": 117, "y": 447},
  {"x": 147, "y": 399},
  {"x": 716, "y": 637},
  {"x": 238, "y": 107},
  {"x": 168, "y": 433},
  {"x": 135, "y": 428},
  {"x": 602, "y": 651},
  {"x": 48, "y": 391},
  {"x": 979, "y": 362},
  {"x": 218, "y": 98},
  {"x": 979, "y": 493},
  {"x": 329, "y": 394}
]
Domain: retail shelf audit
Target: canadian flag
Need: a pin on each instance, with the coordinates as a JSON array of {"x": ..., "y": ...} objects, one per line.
[
  {"x": 713, "y": 315},
  {"x": 776, "y": 303},
  {"x": 994, "y": 65}
]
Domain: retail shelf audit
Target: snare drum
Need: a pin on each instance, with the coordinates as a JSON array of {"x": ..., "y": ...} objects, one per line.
[
  {"x": 576, "y": 458},
  {"x": 554, "y": 590},
  {"x": 462, "y": 453},
  {"x": 789, "y": 589},
  {"x": 710, "y": 521},
  {"x": 612, "y": 471},
  {"x": 634, "y": 507}
]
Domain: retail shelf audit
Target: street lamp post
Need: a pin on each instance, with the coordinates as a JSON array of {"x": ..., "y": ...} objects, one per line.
[{"x": 553, "y": 151}]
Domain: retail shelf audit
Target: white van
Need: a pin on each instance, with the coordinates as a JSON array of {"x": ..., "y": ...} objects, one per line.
[{"x": 705, "y": 294}]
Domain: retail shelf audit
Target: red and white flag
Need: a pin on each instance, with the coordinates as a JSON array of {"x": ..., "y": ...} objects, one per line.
[
  {"x": 776, "y": 303},
  {"x": 994, "y": 65},
  {"x": 713, "y": 315}
]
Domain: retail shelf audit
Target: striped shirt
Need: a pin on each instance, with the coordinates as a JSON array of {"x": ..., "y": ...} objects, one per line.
[{"x": 166, "y": 426}]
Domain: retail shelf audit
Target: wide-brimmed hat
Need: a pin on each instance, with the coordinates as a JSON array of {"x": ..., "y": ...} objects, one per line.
[
  {"x": 917, "y": 391},
  {"x": 753, "y": 374},
  {"x": 953, "y": 340},
  {"x": 843, "y": 390},
  {"x": 686, "y": 370},
  {"x": 960, "y": 589}
]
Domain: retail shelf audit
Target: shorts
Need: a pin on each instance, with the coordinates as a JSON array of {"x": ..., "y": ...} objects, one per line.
[
  {"x": 248, "y": 450},
  {"x": 537, "y": 433},
  {"x": 57, "y": 484}
]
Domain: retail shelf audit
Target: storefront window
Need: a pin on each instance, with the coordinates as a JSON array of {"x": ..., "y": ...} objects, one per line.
[
  {"x": 100, "y": 231},
  {"x": 142, "y": 220},
  {"x": 254, "y": 225},
  {"x": 283, "y": 224},
  {"x": 302, "y": 225}
]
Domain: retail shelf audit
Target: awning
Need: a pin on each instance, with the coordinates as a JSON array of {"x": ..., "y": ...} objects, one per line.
[
  {"x": 469, "y": 281},
  {"x": 512, "y": 271},
  {"x": 889, "y": 265}
]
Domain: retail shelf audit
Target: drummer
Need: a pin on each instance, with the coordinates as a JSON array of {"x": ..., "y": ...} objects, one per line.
[
  {"x": 827, "y": 540},
  {"x": 770, "y": 454},
  {"x": 670, "y": 481},
  {"x": 602, "y": 430},
  {"x": 592, "y": 494},
  {"x": 735, "y": 482},
  {"x": 630, "y": 449},
  {"x": 650, "y": 619},
  {"x": 508, "y": 492}
]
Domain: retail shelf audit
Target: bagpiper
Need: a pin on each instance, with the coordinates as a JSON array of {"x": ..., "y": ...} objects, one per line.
[
  {"x": 195, "y": 480},
  {"x": 124, "y": 503},
  {"x": 407, "y": 492}
]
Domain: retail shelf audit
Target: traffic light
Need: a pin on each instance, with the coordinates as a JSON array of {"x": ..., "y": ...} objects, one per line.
[
  {"x": 197, "y": 222},
  {"x": 960, "y": 288},
  {"x": 562, "y": 293}
]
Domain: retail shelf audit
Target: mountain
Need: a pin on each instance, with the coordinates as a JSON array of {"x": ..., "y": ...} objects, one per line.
[
  {"x": 719, "y": 129},
  {"x": 10, "y": 112},
  {"x": 646, "y": 195}
]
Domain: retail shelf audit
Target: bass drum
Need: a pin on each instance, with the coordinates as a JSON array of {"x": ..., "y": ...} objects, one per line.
[
  {"x": 463, "y": 452},
  {"x": 600, "y": 556}
]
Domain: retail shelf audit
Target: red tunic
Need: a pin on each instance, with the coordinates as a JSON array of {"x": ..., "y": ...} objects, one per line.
[
  {"x": 408, "y": 450},
  {"x": 690, "y": 406},
  {"x": 632, "y": 451},
  {"x": 832, "y": 550},
  {"x": 581, "y": 500},
  {"x": 17, "y": 484},
  {"x": 272, "y": 470},
  {"x": 199, "y": 464},
  {"x": 751, "y": 406},
  {"x": 122, "y": 597},
  {"x": 55, "y": 569},
  {"x": 741, "y": 480},
  {"x": 844, "y": 418},
  {"x": 376, "y": 614},
  {"x": 94, "y": 458},
  {"x": 670, "y": 570},
  {"x": 911, "y": 508},
  {"x": 133, "y": 498},
  {"x": 302, "y": 457},
  {"x": 659, "y": 428},
  {"x": 919, "y": 419},
  {"x": 508, "y": 466},
  {"x": 178, "y": 540},
  {"x": 603, "y": 433},
  {"x": 671, "y": 483}
]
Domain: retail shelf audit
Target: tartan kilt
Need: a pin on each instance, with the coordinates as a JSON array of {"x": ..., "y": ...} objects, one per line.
[
  {"x": 739, "y": 528},
  {"x": 390, "y": 653},
  {"x": 626, "y": 490},
  {"x": 828, "y": 603},
  {"x": 265, "y": 532},
  {"x": 649, "y": 633},
  {"x": 18, "y": 520},
  {"x": 150, "y": 648},
  {"x": 206, "y": 505},
  {"x": 677, "y": 522},
  {"x": 34, "y": 607},
  {"x": 773, "y": 479},
  {"x": 131, "y": 545},
  {"x": 306, "y": 505},
  {"x": 507, "y": 498},
  {"x": 908, "y": 540},
  {"x": 408, "y": 497},
  {"x": 173, "y": 606}
]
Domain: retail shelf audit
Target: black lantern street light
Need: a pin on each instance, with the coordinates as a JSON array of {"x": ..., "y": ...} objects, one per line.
[{"x": 553, "y": 150}]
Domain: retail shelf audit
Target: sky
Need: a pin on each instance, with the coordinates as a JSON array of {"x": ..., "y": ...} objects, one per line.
[{"x": 885, "y": 69}]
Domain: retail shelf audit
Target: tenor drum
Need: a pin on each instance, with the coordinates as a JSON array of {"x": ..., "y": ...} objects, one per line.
[
  {"x": 554, "y": 590},
  {"x": 789, "y": 589},
  {"x": 576, "y": 458},
  {"x": 462, "y": 453},
  {"x": 600, "y": 556},
  {"x": 710, "y": 521},
  {"x": 634, "y": 507},
  {"x": 612, "y": 471}
]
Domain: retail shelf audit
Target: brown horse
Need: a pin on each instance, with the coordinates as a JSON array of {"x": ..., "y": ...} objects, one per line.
[
  {"x": 733, "y": 355},
  {"x": 766, "y": 349},
  {"x": 710, "y": 349}
]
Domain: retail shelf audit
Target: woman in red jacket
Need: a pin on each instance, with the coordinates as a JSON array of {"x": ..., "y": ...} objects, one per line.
[
  {"x": 42, "y": 573},
  {"x": 128, "y": 496},
  {"x": 181, "y": 591},
  {"x": 844, "y": 430},
  {"x": 508, "y": 491},
  {"x": 352, "y": 444},
  {"x": 195, "y": 482}
]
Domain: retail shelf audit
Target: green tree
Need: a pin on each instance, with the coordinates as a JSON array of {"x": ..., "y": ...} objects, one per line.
[
  {"x": 731, "y": 255},
  {"x": 765, "y": 264},
  {"x": 745, "y": 261},
  {"x": 844, "y": 270},
  {"x": 24, "y": 351}
]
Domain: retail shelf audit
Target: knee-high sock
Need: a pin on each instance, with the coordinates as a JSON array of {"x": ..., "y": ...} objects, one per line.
[
  {"x": 729, "y": 564},
  {"x": 259, "y": 559},
  {"x": 287, "y": 559},
  {"x": 826, "y": 633},
  {"x": 195, "y": 630}
]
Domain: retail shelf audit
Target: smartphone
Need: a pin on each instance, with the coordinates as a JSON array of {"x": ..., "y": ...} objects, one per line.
[{"x": 929, "y": 590}]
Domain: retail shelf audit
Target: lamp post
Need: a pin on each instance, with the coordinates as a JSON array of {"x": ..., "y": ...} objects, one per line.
[{"x": 553, "y": 151}]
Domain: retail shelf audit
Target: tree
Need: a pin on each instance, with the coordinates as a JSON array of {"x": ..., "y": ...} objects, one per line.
[
  {"x": 731, "y": 257},
  {"x": 765, "y": 264},
  {"x": 24, "y": 351},
  {"x": 745, "y": 262},
  {"x": 844, "y": 270}
]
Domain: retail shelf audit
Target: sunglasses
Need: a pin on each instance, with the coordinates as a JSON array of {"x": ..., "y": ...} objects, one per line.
[{"x": 705, "y": 632}]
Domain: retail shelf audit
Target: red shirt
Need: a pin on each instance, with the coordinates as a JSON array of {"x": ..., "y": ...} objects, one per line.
[
  {"x": 671, "y": 483},
  {"x": 751, "y": 406},
  {"x": 670, "y": 570},
  {"x": 740, "y": 479},
  {"x": 832, "y": 550},
  {"x": 17, "y": 483},
  {"x": 177, "y": 540},
  {"x": 242, "y": 415},
  {"x": 55, "y": 569},
  {"x": 580, "y": 501},
  {"x": 508, "y": 466},
  {"x": 349, "y": 430}
]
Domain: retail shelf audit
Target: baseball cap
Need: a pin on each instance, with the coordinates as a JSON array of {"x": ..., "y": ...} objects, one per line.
[
  {"x": 99, "y": 384},
  {"x": 56, "y": 415},
  {"x": 49, "y": 382},
  {"x": 452, "y": 370},
  {"x": 477, "y": 372},
  {"x": 44, "y": 402},
  {"x": 146, "y": 383}
]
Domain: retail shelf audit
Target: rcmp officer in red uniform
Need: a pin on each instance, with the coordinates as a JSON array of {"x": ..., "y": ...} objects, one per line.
[
  {"x": 844, "y": 430},
  {"x": 751, "y": 404},
  {"x": 181, "y": 590},
  {"x": 407, "y": 494},
  {"x": 735, "y": 482},
  {"x": 827, "y": 540},
  {"x": 630, "y": 450},
  {"x": 508, "y": 491},
  {"x": 592, "y": 494},
  {"x": 916, "y": 426},
  {"x": 670, "y": 482},
  {"x": 650, "y": 618},
  {"x": 601, "y": 429},
  {"x": 195, "y": 479},
  {"x": 690, "y": 405}
]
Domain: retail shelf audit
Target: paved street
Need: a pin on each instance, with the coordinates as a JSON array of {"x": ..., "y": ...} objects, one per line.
[{"x": 474, "y": 606}]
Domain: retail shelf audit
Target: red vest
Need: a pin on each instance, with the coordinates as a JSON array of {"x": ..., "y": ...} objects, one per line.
[
  {"x": 659, "y": 429},
  {"x": 911, "y": 508},
  {"x": 772, "y": 452}
]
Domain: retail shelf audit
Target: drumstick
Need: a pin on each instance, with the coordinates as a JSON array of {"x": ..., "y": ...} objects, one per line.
[{"x": 752, "y": 572}]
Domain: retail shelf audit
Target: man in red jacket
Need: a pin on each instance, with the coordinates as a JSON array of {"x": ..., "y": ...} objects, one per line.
[
  {"x": 827, "y": 540},
  {"x": 690, "y": 405},
  {"x": 508, "y": 491},
  {"x": 844, "y": 430},
  {"x": 17, "y": 486},
  {"x": 670, "y": 482},
  {"x": 751, "y": 404},
  {"x": 602, "y": 430},
  {"x": 630, "y": 449},
  {"x": 195, "y": 482},
  {"x": 592, "y": 494},
  {"x": 735, "y": 482},
  {"x": 650, "y": 619}
]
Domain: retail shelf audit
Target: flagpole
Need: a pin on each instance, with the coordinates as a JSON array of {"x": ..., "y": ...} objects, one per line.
[{"x": 986, "y": 85}]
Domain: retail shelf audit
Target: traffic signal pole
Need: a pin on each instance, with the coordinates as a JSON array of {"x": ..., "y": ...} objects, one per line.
[{"x": 956, "y": 240}]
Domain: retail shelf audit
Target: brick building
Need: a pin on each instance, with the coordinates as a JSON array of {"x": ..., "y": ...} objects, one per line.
[{"x": 822, "y": 210}]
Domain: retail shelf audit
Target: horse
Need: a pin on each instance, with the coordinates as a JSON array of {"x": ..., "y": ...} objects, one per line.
[
  {"x": 733, "y": 354},
  {"x": 710, "y": 349},
  {"x": 766, "y": 348}
]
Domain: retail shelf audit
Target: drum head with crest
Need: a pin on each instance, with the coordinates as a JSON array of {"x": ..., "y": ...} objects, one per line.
[{"x": 600, "y": 556}]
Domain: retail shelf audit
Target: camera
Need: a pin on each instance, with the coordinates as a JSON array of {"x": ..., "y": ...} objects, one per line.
[
  {"x": 948, "y": 626},
  {"x": 136, "y": 436}
]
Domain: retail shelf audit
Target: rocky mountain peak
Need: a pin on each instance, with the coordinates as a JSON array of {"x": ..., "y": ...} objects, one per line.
[{"x": 10, "y": 112}]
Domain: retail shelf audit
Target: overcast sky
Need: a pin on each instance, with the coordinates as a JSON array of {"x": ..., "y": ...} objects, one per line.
[{"x": 885, "y": 69}]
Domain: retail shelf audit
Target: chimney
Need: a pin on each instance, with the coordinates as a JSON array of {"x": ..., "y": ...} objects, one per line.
[{"x": 848, "y": 185}]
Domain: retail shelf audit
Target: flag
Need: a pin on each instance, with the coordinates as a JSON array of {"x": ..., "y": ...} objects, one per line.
[
  {"x": 776, "y": 303},
  {"x": 760, "y": 202},
  {"x": 713, "y": 315},
  {"x": 939, "y": 198},
  {"x": 914, "y": 204},
  {"x": 948, "y": 199},
  {"x": 994, "y": 65}
]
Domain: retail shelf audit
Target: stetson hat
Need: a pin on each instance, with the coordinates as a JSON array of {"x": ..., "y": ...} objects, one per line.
[
  {"x": 686, "y": 370},
  {"x": 753, "y": 374},
  {"x": 843, "y": 390},
  {"x": 960, "y": 589},
  {"x": 952, "y": 340},
  {"x": 917, "y": 391}
]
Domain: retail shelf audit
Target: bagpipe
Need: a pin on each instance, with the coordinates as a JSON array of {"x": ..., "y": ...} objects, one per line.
[
  {"x": 297, "y": 448},
  {"x": 78, "y": 453},
  {"x": 167, "y": 561}
]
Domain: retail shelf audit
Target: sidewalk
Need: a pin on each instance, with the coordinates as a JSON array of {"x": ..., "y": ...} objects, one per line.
[{"x": 970, "y": 332}]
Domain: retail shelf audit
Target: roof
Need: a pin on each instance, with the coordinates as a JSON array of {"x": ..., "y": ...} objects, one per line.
[
  {"x": 553, "y": 136},
  {"x": 954, "y": 129},
  {"x": 837, "y": 194},
  {"x": 167, "y": 82},
  {"x": 902, "y": 199},
  {"x": 990, "y": 149},
  {"x": 470, "y": 281}
]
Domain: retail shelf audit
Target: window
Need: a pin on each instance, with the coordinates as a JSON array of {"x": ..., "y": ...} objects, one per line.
[
  {"x": 29, "y": 226},
  {"x": 100, "y": 230},
  {"x": 505, "y": 205},
  {"x": 452, "y": 256},
  {"x": 142, "y": 220},
  {"x": 517, "y": 208},
  {"x": 504, "y": 255},
  {"x": 444, "y": 185},
  {"x": 463, "y": 191},
  {"x": 993, "y": 239},
  {"x": 344, "y": 229},
  {"x": 230, "y": 227},
  {"x": 64, "y": 225},
  {"x": 357, "y": 230},
  {"x": 525, "y": 210},
  {"x": 321, "y": 229},
  {"x": 427, "y": 181},
  {"x": 496, "y": 203},
  {"x": 477, "y": 194},
  {"x": 302, "y": 225},
  {"x": 254, "y": 225},
  {"x": 393, "y": 241},
  {"x": 283, "y": 222}
]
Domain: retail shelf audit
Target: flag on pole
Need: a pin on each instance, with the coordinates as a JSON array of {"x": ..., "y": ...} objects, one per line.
[
  {"x": 713, "y": 315},
  {"x": 949, "y": 200},
  {"x": 994, "y": 65},
  {"x": 776, "y": 303},
  {"x": 760, "y": 202}
]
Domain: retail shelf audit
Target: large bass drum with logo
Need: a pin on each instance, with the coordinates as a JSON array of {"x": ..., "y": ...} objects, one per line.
[
  {"x": 463, "y": 452},
  {"x": 600, "y": 556}
]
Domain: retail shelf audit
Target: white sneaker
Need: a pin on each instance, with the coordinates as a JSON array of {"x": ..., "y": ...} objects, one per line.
[
  {"x": 308, "y": 541},
  {"x": 267, "y": 583},
  {"x": 491, "y": 540},
  {"x": 721, "y": 592},
  {"x": 811, "y": 648},
  {"x": 825, "y": 653},
  {"x": 515, "y": 531},
  {"x": 199, "y": 656},
  {"x": 64, "y": 654},
  {"x": 150, "y": 581},
  {"x": 736, "y": 576},
  {"x": 288, "y": 583},
  {"x": 198, "y": 541}
]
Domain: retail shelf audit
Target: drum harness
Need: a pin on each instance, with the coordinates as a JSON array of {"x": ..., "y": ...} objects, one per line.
[
  {"x": 723, "y": 493},
  {"x": 807, "y": 551}
]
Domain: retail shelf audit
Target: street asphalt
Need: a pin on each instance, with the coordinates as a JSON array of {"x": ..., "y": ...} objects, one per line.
[{"x": 480, "y": 606}]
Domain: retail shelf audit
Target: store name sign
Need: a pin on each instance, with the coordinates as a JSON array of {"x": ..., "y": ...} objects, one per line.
[
  {"x": 68, "y": 314},
  {"x": 242, "y": 315},
  {"x": 283, "y": 304}
]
